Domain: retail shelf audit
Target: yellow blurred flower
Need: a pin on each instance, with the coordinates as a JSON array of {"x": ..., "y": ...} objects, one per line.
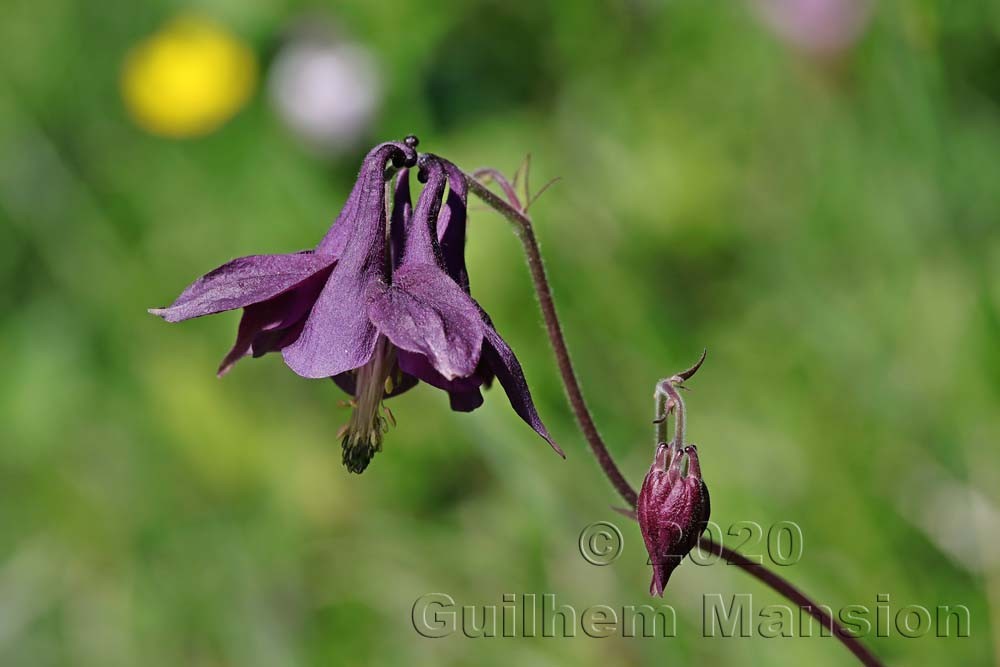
[{"x": 188, "y": 78}]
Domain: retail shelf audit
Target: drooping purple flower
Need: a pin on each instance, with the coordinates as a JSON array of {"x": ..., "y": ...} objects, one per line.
[
  {"x": 672, "y": 510},
  {"x": 376, "y": 306},
  {"x": 432, "y": 276}
]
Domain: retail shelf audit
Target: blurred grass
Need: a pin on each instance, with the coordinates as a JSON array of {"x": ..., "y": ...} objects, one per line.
[{"x": 828, "y": 232}]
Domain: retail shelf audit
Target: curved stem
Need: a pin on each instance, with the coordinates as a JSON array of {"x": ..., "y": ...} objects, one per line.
[
  {"x": 527, "y": 235},
  {"x": 786, "y": 588},
  {"x": 673, "y": 401},
  {"x": 522, "y": 224},
  {"x": 661, "y": 411},
  {"x": 488, "y": 173}
]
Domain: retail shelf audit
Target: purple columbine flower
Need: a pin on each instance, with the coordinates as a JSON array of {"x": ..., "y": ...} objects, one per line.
[
  {"x": 672, "y": 510},
  {"x": 375, "y": 309}
]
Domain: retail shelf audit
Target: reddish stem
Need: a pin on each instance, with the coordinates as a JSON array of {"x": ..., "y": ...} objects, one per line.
[
  {"x": 554, "y": 329},
  {"x": 522, "y": 224}
]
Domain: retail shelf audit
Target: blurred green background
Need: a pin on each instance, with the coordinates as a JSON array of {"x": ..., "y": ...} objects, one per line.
[{"x": 822, "y": 216}]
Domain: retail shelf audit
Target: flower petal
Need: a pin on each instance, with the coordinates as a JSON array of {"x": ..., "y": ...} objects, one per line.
[
  {"x": 275, "y": 340},
  {"x": 336, "y": 238},
  {"x": 425, "y": 311},
  {"x": 338, "y": 335},
  {"x": 464, "y": 393},
  {"x": 419, "y": 366},
  {"x": 242, "y": 282},
  {"x": 451, "y": 225},
  {"x": 465, "y": 401},
  {"x": 508, "y": 371},
  {"x": 402, "y": 208},
  {"x": 421, "y": 244},
  {"x": 264, "y": 326},
  {"x": 255, "y": 320},
  {"x": 347, "y": 381},
  {"x": 375, "y": 162}
]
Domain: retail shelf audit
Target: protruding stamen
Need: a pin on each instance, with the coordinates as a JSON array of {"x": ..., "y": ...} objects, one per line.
[
  {"x": 363, "y": 436},
  {"x": 390, "y": 418}
]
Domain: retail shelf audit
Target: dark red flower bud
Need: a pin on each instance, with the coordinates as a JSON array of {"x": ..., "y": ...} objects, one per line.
[{"x": 672, "y": 510}]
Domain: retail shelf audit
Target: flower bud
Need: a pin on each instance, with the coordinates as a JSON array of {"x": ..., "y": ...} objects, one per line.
[{"x": 672, "y": 510}]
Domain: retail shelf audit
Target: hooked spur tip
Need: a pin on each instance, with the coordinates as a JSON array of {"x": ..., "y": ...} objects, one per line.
[
  {"x": 403, "y": 161},
  {"x": 694, "y": 466},
  {"x": 424, "y": 162},
  {"x": 405, "y": 157},
  {"x": 675, "y": 455},
  {"x": 660, "y": 458}
]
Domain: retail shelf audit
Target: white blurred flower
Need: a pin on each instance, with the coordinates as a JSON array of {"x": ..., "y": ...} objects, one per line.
[
  {"x": 326, "y": 92},
  {"x": 819, "y": 27}
]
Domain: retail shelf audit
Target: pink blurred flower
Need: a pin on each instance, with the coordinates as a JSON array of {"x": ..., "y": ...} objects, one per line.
[{"x": 818, "y": 27}]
